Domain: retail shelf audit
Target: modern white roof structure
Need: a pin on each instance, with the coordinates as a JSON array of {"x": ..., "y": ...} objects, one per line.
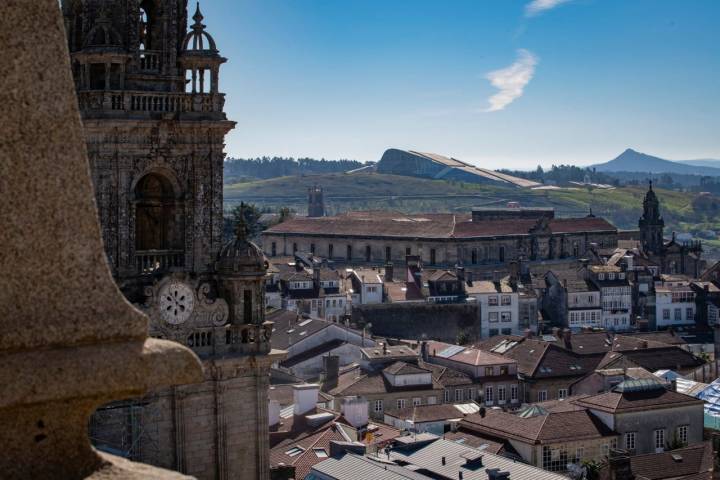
[{"x": 711, "y": 396}]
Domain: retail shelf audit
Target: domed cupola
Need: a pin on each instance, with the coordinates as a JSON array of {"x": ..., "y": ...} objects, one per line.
[
  {"x": 198, "y": 41},
  {"x": 200, "y": 55},
  {"x": 241, "y": 257}
]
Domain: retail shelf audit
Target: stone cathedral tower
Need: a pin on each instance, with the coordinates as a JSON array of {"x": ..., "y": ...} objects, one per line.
[
  {"x": 148, "y": 91},
  {"x": 651, "y": 224}
]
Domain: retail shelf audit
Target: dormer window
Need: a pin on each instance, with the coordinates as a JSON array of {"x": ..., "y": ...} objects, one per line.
[{"x": 601, "y": 276}]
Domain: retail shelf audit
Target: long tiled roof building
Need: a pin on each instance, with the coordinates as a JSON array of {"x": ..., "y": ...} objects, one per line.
[{"x": 488, "y": 236}]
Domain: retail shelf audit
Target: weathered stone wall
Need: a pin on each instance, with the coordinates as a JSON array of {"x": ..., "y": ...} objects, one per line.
[
  {"x": 444, "y": 322},
  {"x": 216, "y": 429},
  {"x": 485, "y": 252}
]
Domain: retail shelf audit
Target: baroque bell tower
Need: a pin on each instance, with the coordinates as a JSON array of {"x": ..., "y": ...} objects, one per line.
[
  {"x": 651, "y": 223},
  {"x": 152, "y": 110},
  {"x": 149, "y": 97}
]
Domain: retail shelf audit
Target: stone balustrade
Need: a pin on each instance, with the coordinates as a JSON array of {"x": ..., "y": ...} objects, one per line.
[
  {"x": 157, "y": 261},
  {"x": 149, "y": 61},
  {"x": 150, "y": 102}
]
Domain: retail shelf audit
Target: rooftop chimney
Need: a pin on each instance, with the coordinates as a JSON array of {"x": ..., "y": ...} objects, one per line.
[
  {"x": 305, "y": 397},
  {"x": 389, "y": 272},
  {"x": 469, "y": 278},
  {"x": 620, "y": 467},
  {"x": 496, "y": 276},
  {"x": 355, "y": 411},
  {"x": 460, "y": 273},
  {"x": 514, "y": 272},
  {"x": 496, "y": 474},
  {"x": 331, "y": 365},
  {"x": 274, "y": 412},
  {"x": 567, "y": 337}
]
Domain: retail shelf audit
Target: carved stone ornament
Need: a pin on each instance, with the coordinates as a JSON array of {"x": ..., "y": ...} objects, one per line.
[{"x": 178, "y": 305}]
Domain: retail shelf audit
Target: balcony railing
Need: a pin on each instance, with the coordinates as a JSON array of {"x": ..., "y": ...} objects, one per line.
[
  {"x": 158, "y": 261},
  {"x": 136, "y": 101},
  {"x": 149, "y": 61}
]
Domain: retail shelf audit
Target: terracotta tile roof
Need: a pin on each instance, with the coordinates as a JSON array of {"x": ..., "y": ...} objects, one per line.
[
  {"x": 403, "y": 292},
  {"x": 615, "y": 401},
  {"x": 652, "y": 359},
  {"x": 552, "y": 427},
  {"x": 694, "y": 462},
  {"x": 427, "y": 225},
  {"x": 318, "y": 442},
  {"x": 357, "y": 383},
  {"x": 447, "y": 376},
  {"x": 468, "y": 355},
  {"x": 403, "y": 368}
]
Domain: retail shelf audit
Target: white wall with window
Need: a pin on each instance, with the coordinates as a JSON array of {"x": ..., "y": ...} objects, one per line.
[
  {"x": 674, "y": 305},
  {"x": 498, "y": 311}
]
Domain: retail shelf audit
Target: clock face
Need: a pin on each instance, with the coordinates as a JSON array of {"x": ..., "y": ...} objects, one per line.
[{"x": 176, "y": 303}]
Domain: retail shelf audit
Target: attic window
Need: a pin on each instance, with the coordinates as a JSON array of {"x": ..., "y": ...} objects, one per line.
[
  {"x": 320, "y": 452},
  {"x": 545, "y": 369},
  {"x": 295, "y": 451}
]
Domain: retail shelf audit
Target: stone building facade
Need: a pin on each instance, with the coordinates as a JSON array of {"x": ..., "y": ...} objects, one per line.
[
  {"x": 148, "y": 92},
  {"x": 481, "y": 241}
]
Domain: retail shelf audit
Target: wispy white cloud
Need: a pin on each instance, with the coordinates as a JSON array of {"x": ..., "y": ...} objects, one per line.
[
  {"x": 538, "y": 6},
  {"x": 511, "y": 80}
]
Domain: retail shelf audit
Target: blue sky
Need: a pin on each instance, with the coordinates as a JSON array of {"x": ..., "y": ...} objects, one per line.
[{"x": 500, "y": 83}]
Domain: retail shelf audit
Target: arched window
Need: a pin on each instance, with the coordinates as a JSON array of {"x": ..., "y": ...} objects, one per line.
[
  {"x": 155, "y": 214},
  {"x": 145, "y": 25}
]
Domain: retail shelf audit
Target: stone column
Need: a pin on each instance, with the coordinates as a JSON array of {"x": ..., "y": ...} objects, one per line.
[{"x": 70, "y": 342}]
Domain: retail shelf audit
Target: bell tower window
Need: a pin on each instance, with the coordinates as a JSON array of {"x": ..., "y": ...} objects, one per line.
[{"x": 155, "y": 214}]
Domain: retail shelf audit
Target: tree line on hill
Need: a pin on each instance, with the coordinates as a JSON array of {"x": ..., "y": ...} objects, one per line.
[
  {"x": 244, "y": 169},
  {"x": 560, "y": 174}
]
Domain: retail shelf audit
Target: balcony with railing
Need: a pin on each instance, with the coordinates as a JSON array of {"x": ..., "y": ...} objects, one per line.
[
  {"x": 148, "y": 262},
  {"x": 141, "y": 102},
  {"x": 149, "y": 61}
]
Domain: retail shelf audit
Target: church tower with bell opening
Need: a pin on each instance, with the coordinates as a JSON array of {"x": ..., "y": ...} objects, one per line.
[{"x": 153, "y": 115}]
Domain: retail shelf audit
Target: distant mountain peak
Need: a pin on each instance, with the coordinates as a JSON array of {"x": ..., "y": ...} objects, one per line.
[{"x": 633, "y": 161}]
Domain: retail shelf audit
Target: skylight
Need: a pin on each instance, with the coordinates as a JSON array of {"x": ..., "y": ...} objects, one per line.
[
  {"x": 295, "y": 451},
  {"x": 320, "y": 452}
]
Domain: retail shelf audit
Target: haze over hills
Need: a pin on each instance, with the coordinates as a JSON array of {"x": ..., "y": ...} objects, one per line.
[
  {"x": 702, "y": 162},
  {"x": 633, "y": 161}
]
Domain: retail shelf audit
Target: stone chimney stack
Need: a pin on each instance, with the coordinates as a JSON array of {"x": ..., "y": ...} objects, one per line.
[
  {"x": 273, "y": 412},
  {"x": 305, "y": 397},
  {"x": 331, "y": 366},
  {"x": 460, "y": 274},
  {"x": 389, "y": 271},
  {"x": 514, "y": 273},
  {"x": 620, "y": 467},
  {"x": 355, "y": 411},
  {"x": 567, "y": 338}
]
